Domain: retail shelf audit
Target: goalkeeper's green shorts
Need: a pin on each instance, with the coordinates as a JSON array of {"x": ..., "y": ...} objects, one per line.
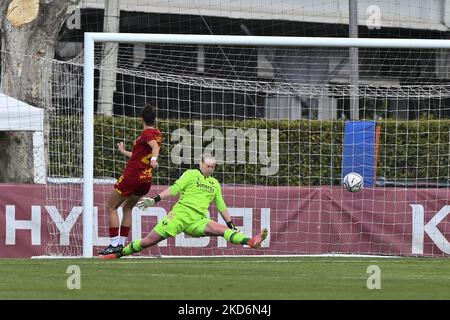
[{"x": 183, "y": 220}]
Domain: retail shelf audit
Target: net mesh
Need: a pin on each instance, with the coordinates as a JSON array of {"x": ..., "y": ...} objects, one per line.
[{"x": 275, "y": 119}]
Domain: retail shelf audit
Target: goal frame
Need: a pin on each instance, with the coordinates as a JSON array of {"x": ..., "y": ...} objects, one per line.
[{"x": 90, "y": 38}]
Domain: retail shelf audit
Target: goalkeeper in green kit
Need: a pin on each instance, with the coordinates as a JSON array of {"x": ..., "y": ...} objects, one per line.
[{"x": 197, "y": 189}]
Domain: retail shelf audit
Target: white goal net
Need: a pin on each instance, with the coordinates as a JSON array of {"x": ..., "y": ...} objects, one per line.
[{"x": 277, "y": 119}]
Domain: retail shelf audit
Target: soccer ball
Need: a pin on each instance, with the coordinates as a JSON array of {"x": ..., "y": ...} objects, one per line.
[{"x": 353, "y": 182}]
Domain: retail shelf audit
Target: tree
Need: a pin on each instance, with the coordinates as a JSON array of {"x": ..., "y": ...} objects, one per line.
[{"x": 28, "y": 38}]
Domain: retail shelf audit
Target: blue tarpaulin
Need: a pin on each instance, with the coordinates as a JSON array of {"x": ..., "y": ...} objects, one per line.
[{"x": 359, "y": 152}]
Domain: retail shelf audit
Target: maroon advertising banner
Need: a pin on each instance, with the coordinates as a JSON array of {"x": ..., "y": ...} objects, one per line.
[{"x": 39, "y": 220}]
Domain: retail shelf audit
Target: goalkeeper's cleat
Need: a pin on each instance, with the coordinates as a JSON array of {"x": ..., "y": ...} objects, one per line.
[
  {"x": 255, "y": 242},
  {"x": 110, "y": 249},
  {"x": 112, "y": 256}
]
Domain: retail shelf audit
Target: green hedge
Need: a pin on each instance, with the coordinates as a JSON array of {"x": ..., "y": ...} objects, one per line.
[
  {"x": 415, "y": 150},
  {"x": 309, "y": 151}
]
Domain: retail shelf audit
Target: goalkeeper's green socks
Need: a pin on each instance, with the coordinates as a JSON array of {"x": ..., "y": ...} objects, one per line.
[
  {"x": 235, "y": 237},
  {"x": 133, "y": 247}
]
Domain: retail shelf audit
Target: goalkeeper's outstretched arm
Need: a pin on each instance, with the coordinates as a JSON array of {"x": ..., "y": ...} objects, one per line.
[
  {"x": 227, "y": 218},
  {"x": 173, "y": 190},
  {"x": 223, "y": 210}
]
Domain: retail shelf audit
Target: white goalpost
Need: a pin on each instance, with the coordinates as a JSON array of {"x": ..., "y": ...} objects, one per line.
[{"x": 286, "y": 122}]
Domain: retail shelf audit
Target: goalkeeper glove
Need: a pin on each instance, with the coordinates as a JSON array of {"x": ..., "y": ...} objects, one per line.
[
  {"x": 147, "y": 202},
  {"x": 231, "y": 225}
]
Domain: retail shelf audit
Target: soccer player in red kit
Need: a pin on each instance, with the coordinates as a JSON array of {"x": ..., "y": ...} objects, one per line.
[{"x": 135, "y": 181}]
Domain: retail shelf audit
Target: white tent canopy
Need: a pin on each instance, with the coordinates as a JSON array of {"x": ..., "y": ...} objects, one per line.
[{"x": 16, "y": 115}]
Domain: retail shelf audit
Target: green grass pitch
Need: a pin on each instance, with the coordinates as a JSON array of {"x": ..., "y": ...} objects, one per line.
[{"x": 255, "y": 278}]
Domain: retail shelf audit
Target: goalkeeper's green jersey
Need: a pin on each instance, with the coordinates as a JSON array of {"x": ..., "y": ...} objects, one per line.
[{"x": 197, "y": 192}]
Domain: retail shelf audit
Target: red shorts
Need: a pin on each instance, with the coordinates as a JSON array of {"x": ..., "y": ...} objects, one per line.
[{"x": 137, "y": 182}]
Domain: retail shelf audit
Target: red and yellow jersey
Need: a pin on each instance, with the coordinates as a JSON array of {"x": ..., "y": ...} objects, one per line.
[{"x": 141, "y": 153}]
